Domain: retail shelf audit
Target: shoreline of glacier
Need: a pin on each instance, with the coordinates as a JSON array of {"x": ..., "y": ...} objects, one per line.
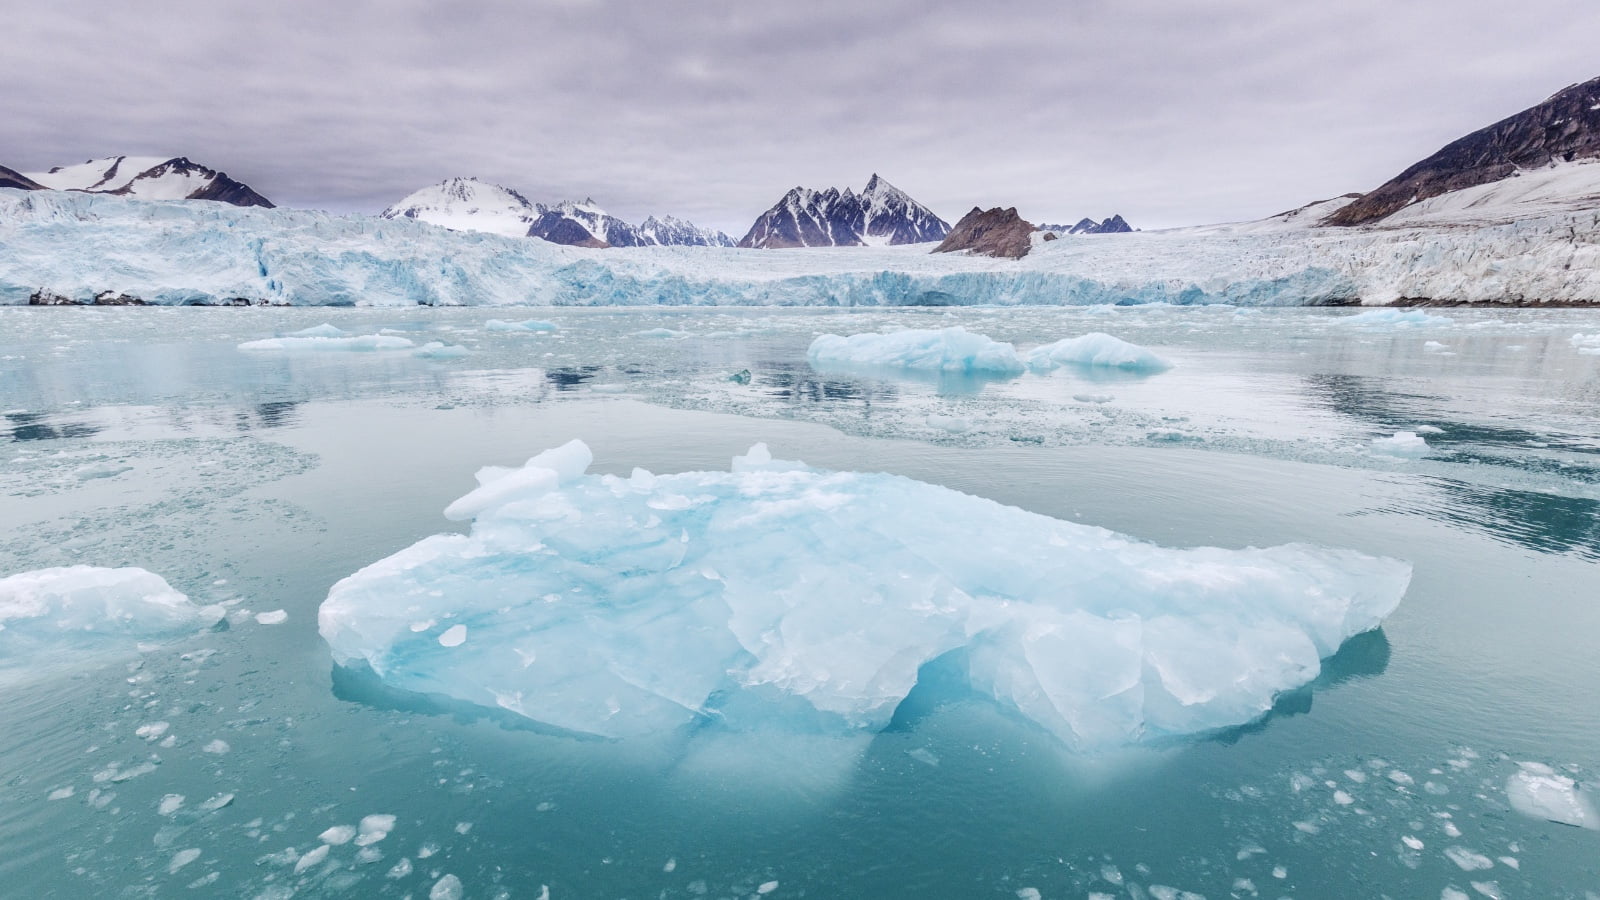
[{"x": 75, "y": 249}]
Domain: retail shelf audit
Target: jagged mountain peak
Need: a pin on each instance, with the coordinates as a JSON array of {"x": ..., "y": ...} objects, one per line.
[{"x": 879, "y": 214}]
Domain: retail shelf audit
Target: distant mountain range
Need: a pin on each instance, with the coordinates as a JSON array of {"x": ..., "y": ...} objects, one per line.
[
  {"x": 466, "y": 204},
  {"x": 1563, "y": 129},
  {"x": 1113, "y": 225},
  {"x": 145, "y": 177},
  {"x": 881, "y": 214}
]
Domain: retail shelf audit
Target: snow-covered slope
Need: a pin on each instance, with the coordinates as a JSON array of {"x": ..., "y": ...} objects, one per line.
[
  {"x": 76, "y": 246},
  {"x": 467, "y": 204},
  {"x": 881, "y": 215},
  {"x": 584, "y": 225},
  {"x": 668, "y": 231},
  {"x": 1527, "y": 192},
  {"x": 150, "y": 178}
]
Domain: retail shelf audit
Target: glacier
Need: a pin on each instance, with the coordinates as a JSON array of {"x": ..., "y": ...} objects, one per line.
[
  {"x": 776, "y": 597},
  {"x": 68, "y": 246},
  {"x": 50, "y": 611}
]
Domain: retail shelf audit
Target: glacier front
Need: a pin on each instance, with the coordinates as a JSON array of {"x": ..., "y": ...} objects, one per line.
[{"x": 779, "y": 597}]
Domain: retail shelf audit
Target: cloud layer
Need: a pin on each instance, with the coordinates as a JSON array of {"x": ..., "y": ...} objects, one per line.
[{"x": 1166, "y": 111}]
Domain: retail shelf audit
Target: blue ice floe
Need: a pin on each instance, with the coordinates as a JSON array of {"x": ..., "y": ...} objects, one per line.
[
  {"x": 529, "y": 325},
  {"x": 359, "y": 343},
  {"x": 1390, "y": 316},
  {"x": 1095, "y": 349},
  {"x": 776, "y": 596},
  {"x": 49, "y": 611},
  {"x": 924, "y": 349}
]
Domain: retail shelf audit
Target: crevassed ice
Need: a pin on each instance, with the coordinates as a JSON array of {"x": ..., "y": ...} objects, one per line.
[
  {"x": 952, "y": 349},
  {"x": 775, "y": 595},
  {"x": 60, "y": 608}
]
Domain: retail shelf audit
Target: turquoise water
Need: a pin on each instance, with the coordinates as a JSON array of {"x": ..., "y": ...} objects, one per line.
[{"x": 146, "y": 437}]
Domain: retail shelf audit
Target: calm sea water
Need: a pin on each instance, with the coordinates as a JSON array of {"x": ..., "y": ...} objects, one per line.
[{"x": 213, "y": 765}]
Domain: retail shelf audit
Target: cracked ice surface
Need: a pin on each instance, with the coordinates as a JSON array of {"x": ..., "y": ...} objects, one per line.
[{"x": 780, "y": 596}]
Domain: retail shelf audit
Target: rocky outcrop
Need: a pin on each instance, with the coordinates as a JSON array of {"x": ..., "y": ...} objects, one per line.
[
  {"x": 881, "y": 214},
  {"x": 1564, "y": 128},
  {"x": 995, "y": 232},
  {"x": 11, "y": 178}
]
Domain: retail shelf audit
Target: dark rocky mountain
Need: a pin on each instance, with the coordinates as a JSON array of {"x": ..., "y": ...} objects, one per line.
[
  {"x": 1564, "y": 128},
  {"x": 151, "y": 178},
  {"x": 881, "y": 214},
  {"x": 1114, "y": 225},
  {"x": 11, "y": 178},
  {"x": 995, "y": 232},
  {"x": 587, "y": 225}
]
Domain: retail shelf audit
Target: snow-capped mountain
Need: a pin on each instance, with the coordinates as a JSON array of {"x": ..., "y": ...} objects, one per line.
[
  {"x": 150, "y": 178},
  {"x": 669, "y": 231},
  {"x": 1563, "y": 130},
  {"x": 11, "y": 178},
  {"x": 1114, "y": 225},
  {"x": 881, "y": 214},
  {"x": 467, "y": 204}
]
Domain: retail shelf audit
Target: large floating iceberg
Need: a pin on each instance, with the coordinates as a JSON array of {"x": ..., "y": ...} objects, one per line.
[
  {"x": 929, "y": 350},
  {"x": 776, "y": 596},
  {"x": 75, "y": 607}
]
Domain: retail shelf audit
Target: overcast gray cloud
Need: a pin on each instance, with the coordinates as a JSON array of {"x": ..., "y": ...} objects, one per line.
[{"x": 1169, "y": 112}]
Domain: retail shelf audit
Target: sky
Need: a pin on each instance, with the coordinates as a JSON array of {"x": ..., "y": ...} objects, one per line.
[{"x": 1169, "y": 112}]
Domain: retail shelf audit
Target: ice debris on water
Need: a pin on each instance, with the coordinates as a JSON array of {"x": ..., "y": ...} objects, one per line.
[
  {"x": 447, "y": 888},
  {"x": 276, "y": 617},
  {"x": 951, "y": 349},
  {"x": 360, "y": 343},
  {"x": 319, "y": 331},
  {"x": 1535, "y": 790},
  {"x": 1393, "y": 316},
  {"x": 63, "y": 608},
  {"x": 1403, "y": 444},
  {"x": 440, "y": 350},
  {"x": 780, "y": 596},
  {"x": 529, "y": 325}
]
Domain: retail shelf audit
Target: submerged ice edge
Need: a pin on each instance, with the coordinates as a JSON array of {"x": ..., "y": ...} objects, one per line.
[{"x": 779, "y": 597}]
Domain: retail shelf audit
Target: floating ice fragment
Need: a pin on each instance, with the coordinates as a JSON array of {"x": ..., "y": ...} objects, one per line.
[
  {"x": 216, "y": 802},
  {"x": 1028, "y": 893},
  {"x": 1404, "y": 444},
  {"x": 1412, "y": 842},
  {"x": 447, "y": 888},
  {"x": 1429, "y": 429},
  {"x": 338, "y": 835},
  {"x": 1490, "y": 889},
  {"x": 311, "y": 858},
  {"x": 51, "y": 610},
  {"x": 170, "y": 804},
  {"x": 952, "y": 424},
  {"x": 1342, "y": 798},
  {"x": 1095, "y": 349},
  {"x": 1400, "y": 317},
  {"x": 276, "y": 617},
  {"x": 400, "y": 869},
  {"x": 670, "y": 865},
  {"x": 1467, "y": 860},
  {"x": 924, "y": 755},
  {"x": 362, "y": 343},
  {"x": 528, "y": 325},
  {"x": 661, "y": 333},
  {"x": 1535, "y": 790},
  {"x": 1434, "y": 346},
  {"x": 931, "y": 350},
  {"x": 319, "y": 331},
  {"x": 454, "y": 636},
  {"x": 834, "y": 590},
  {"x": 152, "y": 730},
  {"x": 440, "y": 350},
  {"x": 182, "y": 858},
  {"x": 61, "y": 793},
  {"x": 217, "y": 746},
  {"x": 768, "y": 887},
  {"x": 374, "y": 828},
  {"x": 1452, "y": 893}
]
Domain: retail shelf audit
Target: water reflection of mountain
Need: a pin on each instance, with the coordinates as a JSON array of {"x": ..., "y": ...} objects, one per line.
[{"x": 40, "y": 427}]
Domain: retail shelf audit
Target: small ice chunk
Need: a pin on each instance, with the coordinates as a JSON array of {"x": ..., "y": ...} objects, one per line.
[
  {"x": 311, "y": 858},
  {"x": 1453, "y": 893},
  {"x": 1490, "y": 889},
  {"x": 924, "y": 755},
  {"x": 768, "y": 887},
  {"x": 1412, "y": 842},
  {"x": 62, "y": 793},
  {"x": 217, "y": 746},
  {"x": 440, "y": 350},
  {"x": 1435, "y": 346},
  {"x": 374, "y": 828},
  {"x": 182, "y": 858},
  {"x": 528, "y": 325},
  {"x": 1404, "y": 444},
  {"x": 1342, "y": 798},
  {"x": 64, "y": 609},
  {"x": 170, "y": 804},
  {"x": 1028, "y": 893},
  {"x": 952, "y": 424},
  {"x": 276, "y": 617},
  {"x": 1394, "y": 317},
  {"x": 1467, "y": 860},
  {"x": 400, "y": 869},
  {"x": 447, "y": 888},
  {"x": 152, "y": 730},
  {"x": 1536, "y": 791},
  {"x": 670, "y": 865},
  {"x": 319, "y": 331},
  {"x": 454, "y": 636},
  {"x": 216, "y": 802},
  {"x": 337, "y": 835}
]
